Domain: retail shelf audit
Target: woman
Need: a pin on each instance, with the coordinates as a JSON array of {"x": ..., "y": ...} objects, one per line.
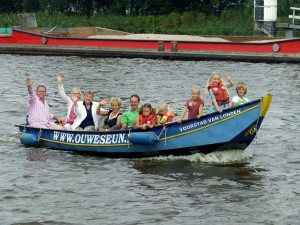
[
  {"x": 70, "y": 101},
  {"x": 87, "y": 118},
  {"x": 113, "y": 115}
]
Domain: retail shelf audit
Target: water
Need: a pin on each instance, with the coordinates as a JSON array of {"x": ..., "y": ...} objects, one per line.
[{"x": 258, "y": 186}]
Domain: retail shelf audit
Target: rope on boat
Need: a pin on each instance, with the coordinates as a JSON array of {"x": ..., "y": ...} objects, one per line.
[
  {"x": 50, "y": 30},
  {"x": 165, "y": 131},
  {"x": 129, "y": 132},
  {"x": 256, "y": 126},
  {"x": 39, "y": 137}
]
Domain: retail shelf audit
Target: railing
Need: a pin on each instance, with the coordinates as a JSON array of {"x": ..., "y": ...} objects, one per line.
[
  {"x": 293, "y": 17},
  {"x": 289, "y": 27}
]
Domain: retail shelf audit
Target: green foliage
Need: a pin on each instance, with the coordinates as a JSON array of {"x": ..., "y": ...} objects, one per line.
[{"x": 236, "y": 20}]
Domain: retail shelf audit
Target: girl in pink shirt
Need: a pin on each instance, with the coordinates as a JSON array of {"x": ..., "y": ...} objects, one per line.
[{"x": 193, "y": 106}]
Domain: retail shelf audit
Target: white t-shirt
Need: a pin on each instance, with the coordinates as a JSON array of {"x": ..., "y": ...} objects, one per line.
[{"x": 240, "y": 101}]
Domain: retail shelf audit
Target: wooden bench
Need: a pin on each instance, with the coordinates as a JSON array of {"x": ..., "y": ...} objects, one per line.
[{"x": 289, "y": 27}]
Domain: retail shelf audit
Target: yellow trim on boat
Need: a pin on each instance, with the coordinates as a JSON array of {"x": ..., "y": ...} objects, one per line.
[
  {"x": 265, "y": 104},
  {"x": 212, "y": 124}
]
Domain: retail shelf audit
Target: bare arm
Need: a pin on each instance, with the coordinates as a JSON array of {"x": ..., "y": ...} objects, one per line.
[
  {"x": 185, "y": 109},
  {"x": 214, "y": 101},
  {"x": 29, "y": 83},
  {"x": 102, "y": 112},
  {"x": 138, "y": 125},
  {"x": 59, "y": 79},
  {"x": 229, "y": 78},
  {"x": 123, "y": 125},
  {"x": 200, "y": 111},
  {"x": 118, "y": 120}
]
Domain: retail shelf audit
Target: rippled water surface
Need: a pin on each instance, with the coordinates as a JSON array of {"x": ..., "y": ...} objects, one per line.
[{"x": 258, "y": 186}]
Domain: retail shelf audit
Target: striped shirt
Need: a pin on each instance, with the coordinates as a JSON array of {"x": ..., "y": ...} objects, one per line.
[{"x": 39, "y": 114}]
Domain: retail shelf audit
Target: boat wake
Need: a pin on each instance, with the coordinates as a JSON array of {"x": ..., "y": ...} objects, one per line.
[
  {"x": 228, "y": 156},
  {"x": 11, "y": 138}
]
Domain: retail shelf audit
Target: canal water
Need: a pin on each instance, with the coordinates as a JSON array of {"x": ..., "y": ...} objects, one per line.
[{"x": 257, "y": 186}]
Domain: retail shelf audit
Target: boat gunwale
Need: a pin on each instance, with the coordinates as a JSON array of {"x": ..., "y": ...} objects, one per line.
[
  {"x": 155, "y": 127},
  {"x": 262, "y": 42}
]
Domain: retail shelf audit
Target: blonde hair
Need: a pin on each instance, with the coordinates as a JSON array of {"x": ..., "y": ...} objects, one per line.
[
  {"x": 209, "y": 80},
  {"x": 241, "y": 85},
  {"x": 164, "y": 107},
  {"x": 197, "y": 88},
  {"x": 76, "y": 89},
  {"x": 116, "y": 100}
]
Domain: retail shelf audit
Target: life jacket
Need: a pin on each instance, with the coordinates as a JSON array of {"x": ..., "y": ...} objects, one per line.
[
  {"x": 163, "y": 118},
  {"x": 147, "y": 120},
  {"x": 220, "y": 93}
]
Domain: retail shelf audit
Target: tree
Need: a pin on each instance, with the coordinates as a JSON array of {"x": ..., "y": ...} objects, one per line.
[
  {"x": 31, "y": 5},
  {"x": 10, "y": 6}
]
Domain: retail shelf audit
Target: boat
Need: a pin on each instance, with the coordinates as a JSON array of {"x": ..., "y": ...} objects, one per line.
[
  {"x": 101, "y": 42},
  {"x": 234, "y": 128}
]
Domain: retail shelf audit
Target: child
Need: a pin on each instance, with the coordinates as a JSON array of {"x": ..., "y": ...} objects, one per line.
[
  {"x": 241, "y": 90},
  {"x": 146, "y": 117},
  {"x": 164, "y": 114},
  {"x": 218, "y": 91},
  {"x": 193, "y": 105}
]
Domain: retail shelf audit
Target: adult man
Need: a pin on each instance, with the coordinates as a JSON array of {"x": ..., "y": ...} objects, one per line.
[
  {"x": 39, "y": 114},
  {"x": 129, "y": 117}
]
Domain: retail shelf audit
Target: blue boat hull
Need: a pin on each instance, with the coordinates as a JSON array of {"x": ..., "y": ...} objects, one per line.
[{"x": 233, "y": 129}]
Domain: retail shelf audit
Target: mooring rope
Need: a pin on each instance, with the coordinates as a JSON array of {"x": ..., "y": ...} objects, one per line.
[
  {"x": 39, "y": 137},
  {"x": 162, "y": 130},
  {"x": 50, "y": 30},
  {"x": 129, "y": 132},
  {"x": 256, "y": 126}
]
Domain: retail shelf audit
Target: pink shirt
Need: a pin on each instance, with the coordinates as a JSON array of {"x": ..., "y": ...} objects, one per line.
[
  {"x": 39, "y": 114},
  {"x": 72, "y": 115}
]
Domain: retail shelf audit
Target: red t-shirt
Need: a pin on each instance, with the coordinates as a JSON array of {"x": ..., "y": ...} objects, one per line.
[{"x": 193, "y": 109}]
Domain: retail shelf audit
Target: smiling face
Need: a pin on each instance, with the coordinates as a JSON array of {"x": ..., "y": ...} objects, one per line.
[
  {"x": 115, "y": 107},
  {"x": 215, "y": 79},
  {"x": 134, "y": 103},
  {"x": 41, "y": 92},
  {"x": 88, "y": 98},
  {"x": 241, "y": 92},
  {"x": 195, "y": 94}
]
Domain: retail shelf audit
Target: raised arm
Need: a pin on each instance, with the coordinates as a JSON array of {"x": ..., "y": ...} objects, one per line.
[
  {"x": 229, "y": 78},
  {"x": 99, "y": 110},
  {"x": 59, "y": 79},
  {"x": 29, "y": 83},
  {"x": 61, "y": 89}
]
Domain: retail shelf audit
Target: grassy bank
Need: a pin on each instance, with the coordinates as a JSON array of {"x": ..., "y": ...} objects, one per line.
[{"x": 231, "y": 22}]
